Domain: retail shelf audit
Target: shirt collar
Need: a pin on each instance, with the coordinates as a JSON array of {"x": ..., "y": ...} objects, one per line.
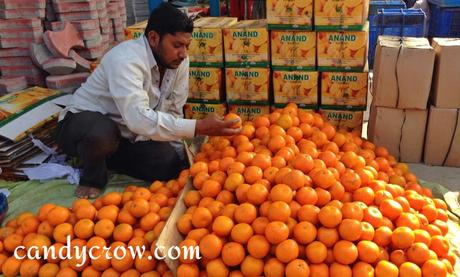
[{"x": 151, "y": 59}]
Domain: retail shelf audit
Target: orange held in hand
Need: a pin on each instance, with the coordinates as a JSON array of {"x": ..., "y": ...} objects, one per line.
[{"x": 233, "y": 116}]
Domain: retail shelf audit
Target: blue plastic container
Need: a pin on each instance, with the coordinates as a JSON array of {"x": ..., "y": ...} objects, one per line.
[
  {"x": 446, "y": 3},
  {"x": 444, "y": 22},
  {"x": 376, "y": 5},
  {"x": 395, "y": 22},
  {"x": 3, "y": 207}
]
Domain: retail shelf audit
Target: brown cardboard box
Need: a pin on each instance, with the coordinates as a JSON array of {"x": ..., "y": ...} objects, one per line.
[
  {"x": 401, "y": 131},
  {"x": 442, "y": 144},
  {"x": 446, "y": 81},
  {"x": 403, "y": 72}
]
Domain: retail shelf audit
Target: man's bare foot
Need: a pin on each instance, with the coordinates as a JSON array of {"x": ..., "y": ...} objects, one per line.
[{"x": 87, "y": 192}]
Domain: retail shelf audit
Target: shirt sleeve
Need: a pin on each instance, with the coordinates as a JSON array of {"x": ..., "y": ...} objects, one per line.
[{"x": 125, "y": 80}]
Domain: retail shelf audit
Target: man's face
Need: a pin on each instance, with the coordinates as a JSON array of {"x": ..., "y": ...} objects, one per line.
[{"x": 170, "y": 50}]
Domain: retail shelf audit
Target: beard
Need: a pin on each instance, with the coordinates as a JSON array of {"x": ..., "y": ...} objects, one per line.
[{"x": 159, "y": 52}]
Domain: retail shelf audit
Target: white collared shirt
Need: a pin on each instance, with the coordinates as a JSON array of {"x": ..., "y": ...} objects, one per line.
[{"x": 125, "y": 87}]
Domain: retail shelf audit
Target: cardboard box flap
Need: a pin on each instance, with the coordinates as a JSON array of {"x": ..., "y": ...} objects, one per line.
[
  {"x": 214, "y": 22},
  {"x": 453, "y": 157},
  {"x": 446, "y": 42},
  {"x": 418, "y": 43},
  {"x": 260, "y": 23},
  {"x": 389, "y": 123},
  {"x": 413, "y": 135},
  {"x": 440, "y": 129}
]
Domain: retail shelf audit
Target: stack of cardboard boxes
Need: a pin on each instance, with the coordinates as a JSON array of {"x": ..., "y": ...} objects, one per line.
[
  {"x": 342, "y": 47},
  {"x": 206, "y": 54},
  {"x": 442, "y": 143},
  {"x": 403, "y": 71}
]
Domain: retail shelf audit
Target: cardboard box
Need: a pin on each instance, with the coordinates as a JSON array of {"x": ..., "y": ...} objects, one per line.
[
  {"x": 344, "y": 119},
  {"x": 247, "y": 43},
  {"x": 206, "y": 48},
  {"x": 205, "y": 83},
  {"x": 403, "y": 70},
  {"x": 293, "y": 50},
  {"x": 340, "y": 14},
  {"x": 347, "y": 89},
  {"x": 442, "y": 143},
  {"x": 342, "y": 50},
  {"x": 402, "y": 132},
  {"x": 282, "y": 14},
  {"x": 248, "y": 111},
  {"x": 248, "y": 84},
  {"x": 300, "y": 87},
  {"x": 200, "y": 109},
  {"x": 279, "y": 106},
  {"x": 136, "y": 30},
  {"x": 446, "y": 81}
]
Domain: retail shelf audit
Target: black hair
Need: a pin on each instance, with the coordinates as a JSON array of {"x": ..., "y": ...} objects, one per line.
[{"x": 166, "y": 19}]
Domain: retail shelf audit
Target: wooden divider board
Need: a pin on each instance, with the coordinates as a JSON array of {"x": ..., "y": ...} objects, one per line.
[{"x": 170, "y": 236}]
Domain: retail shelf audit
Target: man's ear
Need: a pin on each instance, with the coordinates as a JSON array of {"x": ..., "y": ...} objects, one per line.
[{"x": 154, "y": 38}]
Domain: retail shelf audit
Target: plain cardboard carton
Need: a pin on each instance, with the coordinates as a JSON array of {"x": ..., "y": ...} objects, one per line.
[
  {"x": 442, "y": 144},
  {"x": 403, "y": 72},
  {"x": 446, "y": 81},
  {"x": 401, "y": 131}
]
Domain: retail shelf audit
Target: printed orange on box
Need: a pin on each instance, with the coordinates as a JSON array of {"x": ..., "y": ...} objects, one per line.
[{"x": 293, "y": 49}]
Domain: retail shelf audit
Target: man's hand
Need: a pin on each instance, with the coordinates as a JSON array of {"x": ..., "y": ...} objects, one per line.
[{"x": 214, "y": 125}]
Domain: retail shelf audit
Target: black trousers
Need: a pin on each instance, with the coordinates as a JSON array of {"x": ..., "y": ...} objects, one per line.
[{"x": 96, "y": 140}]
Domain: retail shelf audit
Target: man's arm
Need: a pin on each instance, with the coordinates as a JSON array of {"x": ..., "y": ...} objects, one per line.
[{"x": 125, "y": 81}]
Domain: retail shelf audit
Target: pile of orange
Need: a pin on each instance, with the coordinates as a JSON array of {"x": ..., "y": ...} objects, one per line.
[
  {"x": 292, "y": 196},
  {"x": 134, "y": 218}
]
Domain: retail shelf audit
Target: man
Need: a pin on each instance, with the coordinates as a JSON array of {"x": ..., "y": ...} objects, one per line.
[{"x": 128, "y": 115}]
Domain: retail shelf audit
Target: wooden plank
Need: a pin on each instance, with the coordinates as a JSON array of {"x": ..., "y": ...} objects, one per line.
[{"x": 170, "y": 236}]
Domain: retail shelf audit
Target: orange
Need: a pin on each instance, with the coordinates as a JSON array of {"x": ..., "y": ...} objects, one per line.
[
  {"x": 259, "y": 225},
  {"x": 258, "y": 247},
  {"x": 84, "y": 229},
  {"x": 339, "y": 270},
  {"x": 398, "y": 257},
  {"x": 231, "y": 117},
  {"x": 210, "y": 188},
  {"x": 439, "y": 245},
  {"x": 303, "y": 162},
  {"x": 362, "y": 269},
  {"x": 252, "y": 266},
  {"x": 104, "y": 228},
  {"x": 233, "y": 254},
  {"x": 386, "y": 269},
  {"x": 281, "y": 192},
  {"x": 58, "y": 215},
  {"x": 367, "y": 231},
  {"x": 257, "y": 194},
  {"x": 350, "y": 180},
  {"x": 418, "y": 253},
  {"x": 149, "y": 221},
  {"x": 123, "y": 232},
  {"x": 391, "y": 208},
  {"x": 62, "y": 231},
  {"x": 295, "y": 179},
  {"x": 434, "y": 268},
  {"x": 67, "y": 272},
  {"x": 185, "y": 270},
  {"x": 368, "y": 251},
  {"x": 345, "y": 252},
  {"x": 287, "y": 251},
  {"x": 242, "y": 232},
  {"x": 306, "y": 195},
  {"x": 409, "y": 269},
  {"x": 308, "y": 213},
  {"x": 330, "y": 216},
  {"x": 252, "y": 174},
  {"x": 29, "y": 268},
  {"x": 245, "y": 213},
  {"x": 115, "y": 198},
  {"x": 402, "y": 238},
  {"x": 352, "y": 210},
  {"x": 48, "y": 269},
  {"x": 30, "y": 225},
  {"x": 222, "y": 226},
  {"x": 201, "y": 217},
  {"x": 350, "y": 229},
  {"x": 328, "y": 236},
  {"x": 109, "y": 212},
  {"x": 373, "y": 216},
  {"x": 324, "y": 178},
  {"x": 276, "y": 232},
  {"x": 297, "y": 267},
  {"x": 11, "y": 267},
  {"x": 316, "y": 252},
  {"x": 304, "y": 232},
  {"x": 273, "y": 268},
  {"x": 278, "y": 211},
  {"x": 86, "y": 212}
]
